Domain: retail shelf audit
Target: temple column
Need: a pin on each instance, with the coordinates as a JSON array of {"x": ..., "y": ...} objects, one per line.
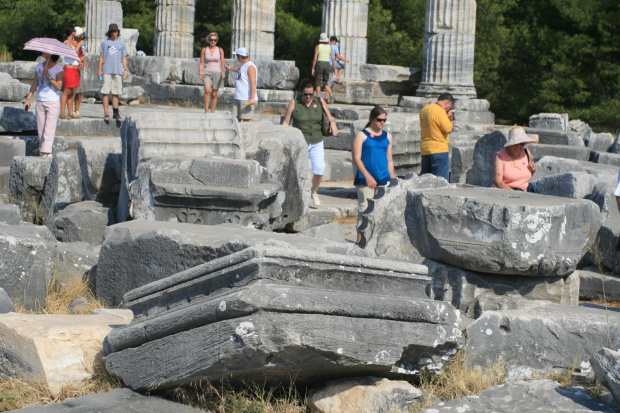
[
  {"x": 99, "y": 14},
  {"x": 174, "y": 28},
  {"x": 348, "y": 21},
  {"x": 253, "y": 27},
  {"x": 449, "y": 48}
]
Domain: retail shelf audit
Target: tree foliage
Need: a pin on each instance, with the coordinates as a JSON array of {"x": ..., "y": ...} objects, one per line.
[{"x": 531, "y": 56}]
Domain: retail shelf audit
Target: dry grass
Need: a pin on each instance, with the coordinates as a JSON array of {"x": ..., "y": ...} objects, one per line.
[
  {"x": 347, "y": 220},
  {"x": 457, "y": 380},
  {"x": 253, "y": 398}
]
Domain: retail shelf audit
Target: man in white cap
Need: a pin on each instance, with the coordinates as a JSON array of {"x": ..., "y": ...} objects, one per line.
[{"x": 245, "y": 86}]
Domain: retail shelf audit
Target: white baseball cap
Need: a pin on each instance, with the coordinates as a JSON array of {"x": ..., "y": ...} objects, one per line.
[
  {"x": 242, "y": 51},
  {"x": 79, "y": 30}
]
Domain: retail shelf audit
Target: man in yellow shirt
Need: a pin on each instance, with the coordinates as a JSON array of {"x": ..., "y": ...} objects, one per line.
[{"x": 436, "y": 125}]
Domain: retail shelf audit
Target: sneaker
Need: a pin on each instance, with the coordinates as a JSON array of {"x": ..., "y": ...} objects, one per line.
[{"x": 316, "y": 200}]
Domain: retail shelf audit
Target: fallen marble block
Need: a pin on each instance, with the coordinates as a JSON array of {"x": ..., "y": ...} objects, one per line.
[
  {"x": 606, "y": 366},
  {"x": 580, "y": 127},
  {"x": 603, "y": 196},
  {"x": 606, "y": 158},
  {"x": 475, "y": 292},
  {"x": 539, "y": 150},
  {"x": 6, "y": 304},
  {"x": 605, "y": 252},
  {"x": 26, "y": 263},
  {"x": 54, "y": 350},
  {"x": 498, "y": 231},
  {"x": 19, "y": 69},
  {"x": 28, "y": 175},
  {"x": 367, "y": 394},
  {"x": 82, "y": 221},
  {"x": 541, "y": 340},
  {"x": 600, "y": 142},
  {"x": 284, "y": 153},
  {"x": 577, "y": 185},
  {"x": 524, "y": 396},
  {"x": 9, "y": 214},
  {"x": 361, "y": 92},
  {"x": 63, "y": 185},
  {"x": 155, "y": 250},
  {"x": 481, "y": 171},
  {"x": 596, "y": 286},
  {"x": 101, "y": 165},
  {"x": 384, "y": 73},
  {"x": 329, "y": 231},
  {"x": 10, "y": 147},
  {"x": 16, "y": 119},
  {"x": 266, "y": 313},
  {"x": 74, "y": 261},
  {"x": 383, "y": 228},
  {"x": 615, "y": 147},
  {"x": 556, "y": 137},
  {"x": 461, "y": 161},
  {"x": 558, "y": 121}
]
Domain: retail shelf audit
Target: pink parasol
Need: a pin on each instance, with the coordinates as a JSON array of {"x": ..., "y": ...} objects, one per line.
[{"x": 51, "y": 46}]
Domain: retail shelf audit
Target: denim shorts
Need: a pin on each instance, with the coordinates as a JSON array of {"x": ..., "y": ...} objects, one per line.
[{"x": 437, "y": 164}]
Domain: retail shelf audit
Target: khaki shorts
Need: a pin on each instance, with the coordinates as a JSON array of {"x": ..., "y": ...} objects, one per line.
[
  {"x": 364, "y": 193},
  {"x": 213, "y": 79},
  {"x": 241, "y": 111},
  {"x": 112, "y": 84}
]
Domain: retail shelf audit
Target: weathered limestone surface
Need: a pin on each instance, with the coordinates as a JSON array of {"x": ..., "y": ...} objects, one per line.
[
  {"x": 606, "y": 365},
  {"x": 475, "y": 292},
  {"x": 525, "y": 396},
  {"x": 364, "y": 394},
  {"x": 390, "y": 74},
  {"x": 348, "y": 20},
  {"x": 556, "y": 137},
  {"x": 360, "y": 92},
  {"x": 15, "y": 119},
  {"x": 603, "y": 195},
  {"x": 12, "y": 89},
  {"x": 405, "y": 130},
  {"x": 600, "y": 142},
  {"x": 26, "y": 183},
  {"x": 597, "y": 286},
  {"x": 10, "y": 147},
  {"x": 156, "y": 250},
  {"x": 540, "y": 150},
  {"x": 63, "y": 185},
  {"x": 449, "y": 48},
  {"x": 54, "y": 350},
  {"x": 505, "y": 232},
  {"x": 26, "y": 263},
  {"x": 10, "y": 214},
  {"x": 558, "y": 121},
  {"x": 481, "y": 172},
  {"x": 606, "y": 158},
  {"x": 23, "y": 70},
  {"x": 576, "y": 185},
  {"x": 6, "y": 304},
  {"x": 99, "y": 15},
  {"x": 580, "y": 127},
  {"x": 174, "y": 28},
  {"x": 130, "y": 37},
  {"x": 383, "y": 228},
  {"x": 551, "y": 165},
  {"x": 74, "y": 261},
  {"x": 543, "y": 339},
  {"x": 615, "y": 147},
  {"x": 461, "y": 161},
  {"x": 605, "y": 249},
  {"x": 284, "y": 153},
  {"x": 82, "y": 221},
  {"x": 329, "y": 231},
  {"x": 273, "y": 312},
  {"x": 253, "y": 26},
  {"x": 101, "y": 166},
  {"x": 115, "y": 401}
]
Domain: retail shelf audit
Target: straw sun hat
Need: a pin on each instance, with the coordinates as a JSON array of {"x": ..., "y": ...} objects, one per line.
[{"x": 517, "y": 135}]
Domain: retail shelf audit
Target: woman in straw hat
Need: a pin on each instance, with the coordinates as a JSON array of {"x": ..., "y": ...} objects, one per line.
[{"x": 513, "y": 164}]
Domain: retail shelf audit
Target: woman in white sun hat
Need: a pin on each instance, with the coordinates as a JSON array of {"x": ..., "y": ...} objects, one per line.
[{"x": 514, "y": 166}]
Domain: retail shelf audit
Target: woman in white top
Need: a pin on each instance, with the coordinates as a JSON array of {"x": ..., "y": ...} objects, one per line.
[
  {"x": 49, "y": 78},
  {"x": 212, "y": 69}
]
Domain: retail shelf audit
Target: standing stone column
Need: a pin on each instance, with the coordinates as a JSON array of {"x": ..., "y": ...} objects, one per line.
[
  {"x": 174, "y": 28},
  {"x": 348, "y": 21},
  {"x": 99, "y": 14},
  {"x": 253, "y": 26},
  {"x": 449, "y": 48}
]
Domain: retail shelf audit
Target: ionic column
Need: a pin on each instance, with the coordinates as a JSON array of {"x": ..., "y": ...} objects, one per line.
[
  {"x": 449, "y": 48},
  {"x": 253, "y": 26},
  {"x": 174, "y": 28},
  {"x": 348, "y": 21},
  {"x": 99, "y": 14}
]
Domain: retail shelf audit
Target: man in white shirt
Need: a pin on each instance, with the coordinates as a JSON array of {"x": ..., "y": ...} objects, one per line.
[{"x": 245, "y": 86}]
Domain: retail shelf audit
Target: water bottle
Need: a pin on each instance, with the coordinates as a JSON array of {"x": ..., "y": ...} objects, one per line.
[{"x": 100, "y": 81}]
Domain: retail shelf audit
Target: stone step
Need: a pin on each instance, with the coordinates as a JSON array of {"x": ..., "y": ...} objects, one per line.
[
  {"x": 338, "y": 166},
  {"x": 5, "y": 173}
]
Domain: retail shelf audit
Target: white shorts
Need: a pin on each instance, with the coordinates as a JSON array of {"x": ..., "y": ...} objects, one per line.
[
  {"x": 316, "y": 153},
  {"x": 112, "y": 84},
  {"x": 617, "y": 191}
]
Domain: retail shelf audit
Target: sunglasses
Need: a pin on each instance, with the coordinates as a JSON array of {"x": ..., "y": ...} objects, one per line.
[
  {"x": 380, "y": 119},
  {"x": 213, "y": 40},
  {"x": 308, "y": 94}
]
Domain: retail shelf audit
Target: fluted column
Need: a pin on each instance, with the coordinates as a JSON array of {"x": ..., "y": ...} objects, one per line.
[
  {"x": 449, "y": 48},
  {"x": 99, "y": 14},
  {"x": 253, "y": 26},
  {"x": 348, "y": 21},
  {"x": 174, "y": 28}
]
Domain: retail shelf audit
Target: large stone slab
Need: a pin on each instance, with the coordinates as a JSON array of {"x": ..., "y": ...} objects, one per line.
[
  {"x": 596, "y": 286},
  {"x": 82, "y": 221},
  {"x": 524, "y": 396},
  {"x": 580, "y": 127},
  {"x": 539, "y": 150},
  {"x": 383, "y": 73},
  {"x": 101, "y": 165},
  {"x": 603, "y": 195},
  {"x": 26, "y": 183},
  {"x": 475, "y": 292},
  {"x": 361, "y": 92},
  {"x": 405, "y": 130},
  {"x": 271, "y": 312},
  {"x": 15, "y": 119},
  {"x": 556, "y": 137},
  {"x": 9, "y": 214},
  {"x": 26, "y": 263},
  {"x": 481, "y": 172},
  {"x": 10, "y": 147},
  {"x": 497, "y": 231},
  {"x": 54, "y": 350},
  {"x": 75, "y": 261},
  {"x": 155, "y": 250},
  {"x": 461, "y": 161},
  {"x": 63, "y": 185},
  {"x": 6, "y": 304},
  {"x": 12, "y": 89},
  {"x": 576, "y": 185},
  {"x": 606, "y": 158},
  {"x": 115, "y": 401},
  {"x": 543, "y": 339},
  {"x": 19, "y": 69},
  {"x": 558, "y": 121},
  {"x": 605, "y": 253},
  {"x": 606, "y": 366},
  {"x": 600, "y": 142}
]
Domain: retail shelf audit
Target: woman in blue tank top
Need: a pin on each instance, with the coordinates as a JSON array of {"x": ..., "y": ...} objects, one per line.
[{"x": 372, "y": 154}]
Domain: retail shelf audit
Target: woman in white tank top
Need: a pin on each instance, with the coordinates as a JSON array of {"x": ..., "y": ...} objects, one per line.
[{"x": 212, "y": 70}]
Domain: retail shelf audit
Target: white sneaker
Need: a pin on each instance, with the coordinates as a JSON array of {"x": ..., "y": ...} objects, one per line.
[
  {"x": 76, "y": 112},
  {"x": 316, "y": 200}
]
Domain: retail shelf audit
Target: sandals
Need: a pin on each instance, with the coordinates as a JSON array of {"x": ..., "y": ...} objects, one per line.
[
  {"x": 107, "y": 118},
  {"x": 65, "y": 117},
  {"x": 75, "y": 116}
]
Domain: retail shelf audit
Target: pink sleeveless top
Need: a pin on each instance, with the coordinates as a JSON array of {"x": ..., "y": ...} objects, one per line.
[
  {"x": 212, "y": 63},
  {"x": 516, "y": 174}
]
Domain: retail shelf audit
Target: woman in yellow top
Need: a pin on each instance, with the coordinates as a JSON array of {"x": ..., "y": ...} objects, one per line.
[{"x": 321, "y": 67}]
